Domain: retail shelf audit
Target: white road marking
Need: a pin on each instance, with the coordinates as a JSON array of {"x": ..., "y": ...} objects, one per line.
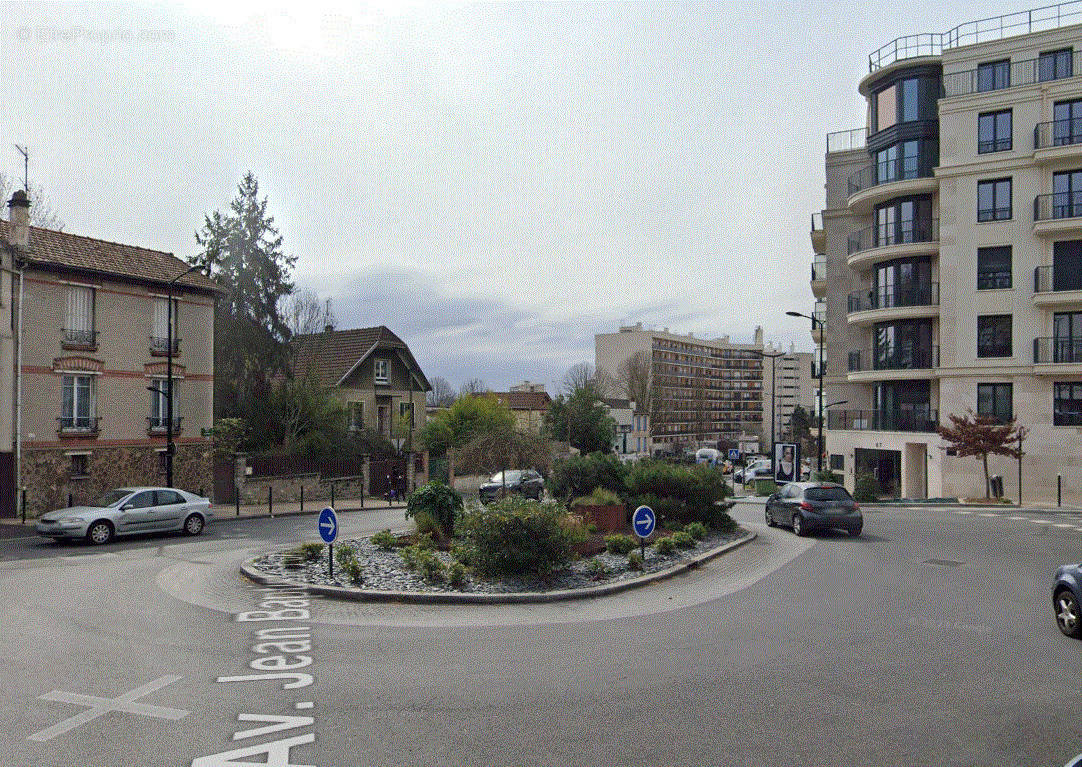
[
  {"x": 84, "y": 557},
  {"x": 1062, "y": 524},
  {"x": 964, "y": 512},
  {"x": 304, "y": 704},
  {"x": 102, "y": 706},
  {"x": 1017, "y": 519},
  {"x": 1040, "y": 521},
  {"x": 988, "y": 514}
]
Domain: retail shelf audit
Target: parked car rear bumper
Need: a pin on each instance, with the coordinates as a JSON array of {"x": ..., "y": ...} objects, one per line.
[{"x": 815, "y": 521}]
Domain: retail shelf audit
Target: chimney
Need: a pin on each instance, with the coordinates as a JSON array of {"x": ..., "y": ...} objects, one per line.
[{"x": 19, "y": 220}]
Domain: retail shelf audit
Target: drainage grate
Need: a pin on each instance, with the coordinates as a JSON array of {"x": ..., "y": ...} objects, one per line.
[{"x": 944, "y": 562}]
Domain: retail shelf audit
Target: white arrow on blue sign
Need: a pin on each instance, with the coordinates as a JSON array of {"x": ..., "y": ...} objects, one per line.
[
  {"x": 643, "y": 521},
  {"x": 328, "y": 525}
]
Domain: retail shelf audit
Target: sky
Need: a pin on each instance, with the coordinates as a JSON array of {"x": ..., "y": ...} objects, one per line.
[{"x": 495, "y": 182}]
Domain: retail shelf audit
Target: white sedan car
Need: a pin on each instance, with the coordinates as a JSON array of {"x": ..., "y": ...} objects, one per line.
[{"x": 128, "y": 510}]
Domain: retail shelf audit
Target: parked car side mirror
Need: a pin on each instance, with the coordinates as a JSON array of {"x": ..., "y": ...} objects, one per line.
[{"x": 127, "y": 506}]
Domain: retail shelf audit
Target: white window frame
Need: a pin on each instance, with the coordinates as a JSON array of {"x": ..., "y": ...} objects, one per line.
[
  {"x": 158, "y": 402},
  {"x": 356, "y": 415},
  {"x": 69, "y": 380},
  {"x": 381, "y": 371},
  {"x": 81, "y": 310}
]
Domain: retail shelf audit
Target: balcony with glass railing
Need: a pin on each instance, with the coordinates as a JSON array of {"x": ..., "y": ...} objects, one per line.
[
  {"x": 818, "y": 234},
  {"x": 1057, "y": 213},
  {"x": 897, "y": 357},
  {"x": 847, "y": 140},
  {"x": 917, "y": 420}
]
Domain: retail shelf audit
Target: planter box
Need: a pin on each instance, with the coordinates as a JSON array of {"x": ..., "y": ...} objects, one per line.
[{"x": 609, "y": 519}]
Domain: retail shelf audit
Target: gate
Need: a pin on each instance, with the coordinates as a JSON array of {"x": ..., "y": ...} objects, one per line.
[
  {"x": 7, "y": 485},
  {"x": 385, "y": 472},
  {"x": 224, "y": 481}
]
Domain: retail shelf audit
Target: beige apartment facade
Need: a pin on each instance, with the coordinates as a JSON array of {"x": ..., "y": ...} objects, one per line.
[
  {"x": 703, "y": 391},
  {"x": 93, "y": 375},
  {"x": 948, "y": 259}
]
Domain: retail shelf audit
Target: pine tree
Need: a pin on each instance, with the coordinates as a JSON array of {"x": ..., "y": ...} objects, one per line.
[{"x": 243, "y": 251}]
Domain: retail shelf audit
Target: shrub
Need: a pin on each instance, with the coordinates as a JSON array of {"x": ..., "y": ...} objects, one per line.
[
  {"x": 665, "y": 546},
  {"x": 867, "y": 488},
  {"x": 347, "y": 560},
  {"x": 457, "y": 575},
  {"x": 683, "y": 539},
  {"x": 826, "y": 475},
  {"x": 384, "y": 539},
  {"x": 310, "y": 552},
  {"x": 344, "y": 554},
  {"x": 591, "y": 528},
  {"x": 439, "y": 501},
  {"x": 597, "y": 569},
  {"x": 574, "y": 528},
  {"x": 430, "y": 566},
  {"x": 696, "y": 530},
  {"x": 678, "y": 494},
  {"x": 462, "y": 554},
  {"x": 581, "y": 474},
  {"x": 409, "y": 556},
  {"x": 600, "y": 496},
  {"x": 516, "y": 535},
  {"x": 426, "y": 525},
  {"x": 634, "y": 561},
  {"x": 620, "y": 544}
]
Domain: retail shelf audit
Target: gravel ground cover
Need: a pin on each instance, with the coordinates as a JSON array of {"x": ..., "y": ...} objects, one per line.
[{"x": 386, "y": 571}]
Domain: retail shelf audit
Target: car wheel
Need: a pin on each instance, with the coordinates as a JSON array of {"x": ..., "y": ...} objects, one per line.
[
  {"x": 193, "y": 525},
  {"x": 99, "y": 532},
  {"x": 798, "y": 525},
  {"x": 854, "y": 532},
  {"x": 1068, "y": 617},
  {"x": 770, "y": 519}
]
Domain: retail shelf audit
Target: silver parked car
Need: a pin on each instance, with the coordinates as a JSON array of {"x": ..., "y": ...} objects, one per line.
[{"x": 128, "y": 510}]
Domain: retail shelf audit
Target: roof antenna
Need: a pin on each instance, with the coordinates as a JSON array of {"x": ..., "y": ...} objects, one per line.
[{"x": 26, "y": 167}]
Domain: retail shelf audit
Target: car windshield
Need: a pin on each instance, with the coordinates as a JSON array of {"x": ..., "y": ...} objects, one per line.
[
  {"x": 827, "y": 494},
  {"x": 111, "y": 498},
  {"x": 512, "y": 476}
]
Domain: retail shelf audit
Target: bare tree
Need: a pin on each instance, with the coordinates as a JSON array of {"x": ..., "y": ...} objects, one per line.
[
  {"x": 305, "y": 314},
  {"x": 473, "y": 386},
  {"x": 442, "y": 395},
  {"x": 633, "y": 379},
  {"x": 584, "y": 376},
  {"x": 41, "y": 210}
]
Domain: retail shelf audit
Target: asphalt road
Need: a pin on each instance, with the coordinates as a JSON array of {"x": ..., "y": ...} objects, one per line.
[{"x": 928, "y": 641}]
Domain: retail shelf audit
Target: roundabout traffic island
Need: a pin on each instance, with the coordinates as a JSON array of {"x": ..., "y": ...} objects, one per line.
[{"x": 413, "y": 568}]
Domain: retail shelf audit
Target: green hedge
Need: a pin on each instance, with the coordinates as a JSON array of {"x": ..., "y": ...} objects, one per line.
[
  {"x": 515, "y": 536},
  {"x": 680, "y": 494},
  {"x": 580, "y": 474}
]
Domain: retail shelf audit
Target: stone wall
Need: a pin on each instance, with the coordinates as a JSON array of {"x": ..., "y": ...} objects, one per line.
[
  {"x": 48, "y": 479},
  {"x": 288, "y": 489}
]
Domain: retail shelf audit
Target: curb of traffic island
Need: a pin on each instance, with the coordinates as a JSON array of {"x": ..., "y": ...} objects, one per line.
[{"x": 520, "y": 597}]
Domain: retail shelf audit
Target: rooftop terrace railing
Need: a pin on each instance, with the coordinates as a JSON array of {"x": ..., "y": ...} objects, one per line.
[
  {"x": 983, "y": 30},
  {"x": 1017, "y": 74},
  {"x": 846, "y": 140}
]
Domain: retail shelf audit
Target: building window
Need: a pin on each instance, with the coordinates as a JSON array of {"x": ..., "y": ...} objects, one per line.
[
  {"x": 1067, "y": 337},
  {"x": 904, "y": 221},
  {"x": 995, "y": 399},
  {"x": 80, "y": 465},
  {"x": 994, "y": 200},
  {"x": 837, "y": 463},
  {"x": 159, "y": 338},
  {"x": 356, "y": 416},
  {"x": 1067, "y": 404},
  {"x": 994, "y": 75},
  {"x": 1067, "y": 194},
  {"x": 994, "y": 131},
  {"x": 80, "y": 318},
  {"x": 1067, "y": 265},
  {"x": 383, "y": 371},
  {"x": 159, "y": 404},
  {"x": 405, "y": 412},
  {"x": 994, "y": 335},
  {"x": 1067, "y": 123},
  {"x": 994, "y": 268},
  {"x": 1055, "y": 65},
  {"x": 77, "y": 403}
]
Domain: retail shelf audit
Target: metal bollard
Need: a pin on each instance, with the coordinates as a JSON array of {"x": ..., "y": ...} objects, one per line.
[
  {"x": 1059, "y": 489},
  {"x": 332, "y": 495},
  {"x": 270, "y": 500},
  {"x": 24, "y": 504},
  {"x": 70, "y": 502},
  {"x": 302, "y": 499},
  {"x": 236, "y": 500}
]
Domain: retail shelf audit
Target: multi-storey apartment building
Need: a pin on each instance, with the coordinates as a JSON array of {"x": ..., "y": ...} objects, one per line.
[
  {"x": 83, "y": 393},
  {"x": 787, "y": 383},
  {"x": 703, "y": 391},
  {"x": 948, "y": 261}
]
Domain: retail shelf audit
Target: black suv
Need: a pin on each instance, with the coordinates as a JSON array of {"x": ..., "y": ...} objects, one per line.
[{"x": 522, "y": 481}]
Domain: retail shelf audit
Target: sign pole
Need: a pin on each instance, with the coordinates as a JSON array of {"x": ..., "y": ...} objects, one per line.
[{"x": 330, "y": 561}]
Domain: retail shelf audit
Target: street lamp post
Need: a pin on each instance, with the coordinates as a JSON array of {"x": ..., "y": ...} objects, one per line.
[
  {"x": 816, "y": 322},
  {"x": 773, "y": 377},
  {"x": 170, "y": 448}
]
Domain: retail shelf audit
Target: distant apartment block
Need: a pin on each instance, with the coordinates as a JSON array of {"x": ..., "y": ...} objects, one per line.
[{"x": 948, "y": 257}]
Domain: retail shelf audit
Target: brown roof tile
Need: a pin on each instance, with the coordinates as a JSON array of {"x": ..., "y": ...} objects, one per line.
[
  {"x": 49, "y": 248},
  {"x": 331, "y": 355}
]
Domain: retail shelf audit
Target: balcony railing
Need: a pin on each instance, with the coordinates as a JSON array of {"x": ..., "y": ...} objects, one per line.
[
  {"x": 157, "y": 424},
  {"x": 80, "y": 339},
  {"x": 894, "y": 358},
  {"x": 920, "y": 420},
  {"x": 846, "y": 140},
  {"x": 983, "y": 30},
  {"x": 919, "y": 294},
  {"x": 900, "y": 169},
  {"x": 1057, "y": 133},
  {"x": 817, "y": 222},
  {"x": 819, "y": 268},
  {"x": 1046, "y": 280},
  {"x": 159, "y": 346},
  {"x": 82, "y": 425},
  {"x": 896, "y": 233},
  {"x": 1056, "y": 350},
  {"x": 1058, "y": 205},
  {"x": 1018, "y": 73}
]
